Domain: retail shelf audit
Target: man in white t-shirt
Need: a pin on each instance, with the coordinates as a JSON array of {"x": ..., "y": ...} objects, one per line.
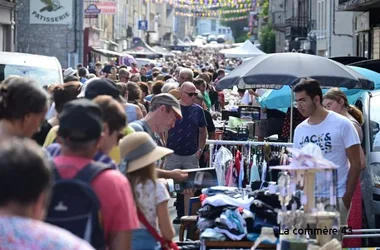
[{"x": 337, "y": 138}]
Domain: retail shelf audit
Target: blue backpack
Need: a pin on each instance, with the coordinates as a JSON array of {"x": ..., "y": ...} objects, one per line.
[{"x": 75, "y": 207}]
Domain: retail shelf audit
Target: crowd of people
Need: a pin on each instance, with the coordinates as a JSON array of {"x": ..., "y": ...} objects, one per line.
[
  {"x": 122, "y": 131},
  {"x": 92, "y": 155}
]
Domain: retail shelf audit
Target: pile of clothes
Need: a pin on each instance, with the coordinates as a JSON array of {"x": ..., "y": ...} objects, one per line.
[{"x": 237, "y": 214}]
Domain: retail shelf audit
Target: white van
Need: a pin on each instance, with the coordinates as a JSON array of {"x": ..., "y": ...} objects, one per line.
[
  {"x": 144, "y": 61},
  {"x": 45, "y": 70}
]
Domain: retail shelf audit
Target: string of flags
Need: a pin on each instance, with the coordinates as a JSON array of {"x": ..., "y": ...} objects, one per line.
[
  {"x": 218, "y": 5},
  {"x": 229, "y": 19},
  {"x": 216, "y": 12},
  {"x": 209, "y": 14},
  {"x": 205, "y": 3}
]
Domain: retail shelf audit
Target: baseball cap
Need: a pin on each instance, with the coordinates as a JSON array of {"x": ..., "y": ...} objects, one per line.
[
  {"x": 102, "y": 86},
  {"x": 168, "y": 99},
  {"x": 80, "y": 121}
]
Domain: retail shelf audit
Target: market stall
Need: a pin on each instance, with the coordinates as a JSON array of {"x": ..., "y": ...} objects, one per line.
[
  {"x": 140, "y": 49},
  {"x": 247, "y": 49},
  {"x": 103, "y": 55},
  {"x": 262, "y": 211}
]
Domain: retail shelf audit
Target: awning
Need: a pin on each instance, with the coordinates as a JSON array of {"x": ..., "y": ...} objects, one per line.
[
  {"x": 110, "y": 53},
  {"x": 357, "y": 5}
]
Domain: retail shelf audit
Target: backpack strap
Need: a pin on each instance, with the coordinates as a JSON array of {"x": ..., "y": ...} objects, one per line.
[{"x": 91, "y": 170}]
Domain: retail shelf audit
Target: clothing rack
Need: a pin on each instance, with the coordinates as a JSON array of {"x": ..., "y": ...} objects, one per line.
[{"x": 213, "y": 143}]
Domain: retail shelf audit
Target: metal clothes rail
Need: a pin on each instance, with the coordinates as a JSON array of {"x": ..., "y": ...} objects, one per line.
[{"x": 213, "y": 143}]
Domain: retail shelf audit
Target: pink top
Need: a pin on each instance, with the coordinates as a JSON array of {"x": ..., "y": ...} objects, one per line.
[{"x": 113, "y": 191}]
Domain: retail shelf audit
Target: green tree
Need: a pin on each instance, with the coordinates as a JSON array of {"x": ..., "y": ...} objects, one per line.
[
  {"x": 237, "y": 26},
  {"x": 267, "y": 37},
  {"x": 264, "y": 9}
]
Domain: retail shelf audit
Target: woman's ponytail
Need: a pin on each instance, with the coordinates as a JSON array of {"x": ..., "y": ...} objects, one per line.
[{"x": 356, "y": 114}]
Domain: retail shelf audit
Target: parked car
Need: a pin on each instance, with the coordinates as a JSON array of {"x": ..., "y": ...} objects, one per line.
[{"x": 45, "y": 70}]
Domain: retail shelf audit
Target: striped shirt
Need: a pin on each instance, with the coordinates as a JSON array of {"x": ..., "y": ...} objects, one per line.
[{"x": 54, "y": 150}]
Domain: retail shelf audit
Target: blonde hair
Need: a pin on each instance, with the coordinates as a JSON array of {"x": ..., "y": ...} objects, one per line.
[
  {"x": 337, "y": 95},
  {"x": 141, "y": 176}
]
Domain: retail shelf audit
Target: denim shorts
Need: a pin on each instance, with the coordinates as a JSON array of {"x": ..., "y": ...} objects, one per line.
[{"x": 143, "y": 240}]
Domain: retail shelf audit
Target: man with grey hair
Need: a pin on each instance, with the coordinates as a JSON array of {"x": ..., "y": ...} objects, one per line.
[
  {"x": 168, "y": 86},
  {"x": 185, "y": 75},
  {"x": 164, "y": 111}
]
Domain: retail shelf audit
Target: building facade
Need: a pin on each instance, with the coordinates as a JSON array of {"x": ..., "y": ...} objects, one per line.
[
  {"x": 52, "y": 30},
  {"x": 7, "y": 25},
  {"x": 366, "y": 23},
  {"x": 213, "y": 27},
  {"x": 335, "y": 29},
  {"x": 292, "y": 22}
]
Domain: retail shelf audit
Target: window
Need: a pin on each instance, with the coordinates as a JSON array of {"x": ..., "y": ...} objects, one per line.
[
  {"x": 220, "y": 31},
  {"x": 213, "y": 25},
  {"x": 44, "y": 76},
  {"x": 374, "y": 115}
]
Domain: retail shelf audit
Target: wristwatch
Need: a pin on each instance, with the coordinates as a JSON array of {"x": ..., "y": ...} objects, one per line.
[{"x": 200, "y": 150}]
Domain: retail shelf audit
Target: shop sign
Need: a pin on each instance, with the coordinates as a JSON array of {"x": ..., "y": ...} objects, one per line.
[
  {"x": 143, "y": 25},
  {"x": 107, "y": 8},
  {"x": 50, "y": 12},
  {"x": 91, "y": 11}
]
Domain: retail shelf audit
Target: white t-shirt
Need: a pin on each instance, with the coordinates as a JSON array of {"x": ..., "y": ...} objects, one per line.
[
  {"x": 149, "y": 196},
  {"x": 334, "y": 135},
  {"x": 246, "y": 98}
]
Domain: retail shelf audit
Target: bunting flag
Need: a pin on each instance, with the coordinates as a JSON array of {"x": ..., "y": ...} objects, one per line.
[
  {"x": 233, "y": 18},
  {"x": 218, "y": 12},
  {"x": 206, "y": 3},
  {"x": 202, "y": 7},
  {"x": 208, "y": 15}
]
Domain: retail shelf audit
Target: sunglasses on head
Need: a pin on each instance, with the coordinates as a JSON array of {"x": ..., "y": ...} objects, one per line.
[{"x": 191, "y": 94}]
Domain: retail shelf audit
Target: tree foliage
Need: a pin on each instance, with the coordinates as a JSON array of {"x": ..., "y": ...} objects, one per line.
[
  {"x": 236, "y": 26},
  {"x": 267, "y": 36},
  {"x": 267, "y": 39},
  {"x": 264, "y": 9}
]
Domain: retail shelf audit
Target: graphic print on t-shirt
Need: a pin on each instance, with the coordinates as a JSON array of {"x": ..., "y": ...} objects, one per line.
[{"x": 323, "y": 140}]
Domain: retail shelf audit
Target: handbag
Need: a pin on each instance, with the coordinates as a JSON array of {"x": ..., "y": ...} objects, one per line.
[{"x": 165, "y": 244}]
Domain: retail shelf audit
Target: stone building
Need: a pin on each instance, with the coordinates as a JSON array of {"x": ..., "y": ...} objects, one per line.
[{"x": 52, "y": 30}]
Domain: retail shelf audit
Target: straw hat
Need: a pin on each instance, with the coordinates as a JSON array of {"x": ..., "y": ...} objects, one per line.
[{"x": 138, "y": 150}]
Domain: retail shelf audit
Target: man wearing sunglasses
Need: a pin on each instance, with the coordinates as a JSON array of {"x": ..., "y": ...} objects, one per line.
[{"x": 187, "y": 138}]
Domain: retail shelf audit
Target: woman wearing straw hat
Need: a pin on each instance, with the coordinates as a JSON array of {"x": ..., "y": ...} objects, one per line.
[{"x": 139, "y": 156}]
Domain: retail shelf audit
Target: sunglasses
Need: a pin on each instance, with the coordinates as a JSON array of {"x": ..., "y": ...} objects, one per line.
[{"x": 191, "y": 94}]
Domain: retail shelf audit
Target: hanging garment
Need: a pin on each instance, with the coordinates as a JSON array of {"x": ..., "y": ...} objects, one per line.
[
  {"x": 264, "y": 171},
  {"x": 241, "y": 173},
  {"x": 254, "y": 170},
  {"x": 221, "y": 164},
  {"x": 237, "y": 161}
]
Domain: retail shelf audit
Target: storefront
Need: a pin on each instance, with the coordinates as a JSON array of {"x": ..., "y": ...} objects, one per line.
[{"x": 6, "y": 25}]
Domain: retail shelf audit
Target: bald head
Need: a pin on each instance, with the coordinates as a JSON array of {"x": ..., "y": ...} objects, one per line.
[
  {"x": 188, "y": 93},
  {"x": 188, "y": 86}
]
